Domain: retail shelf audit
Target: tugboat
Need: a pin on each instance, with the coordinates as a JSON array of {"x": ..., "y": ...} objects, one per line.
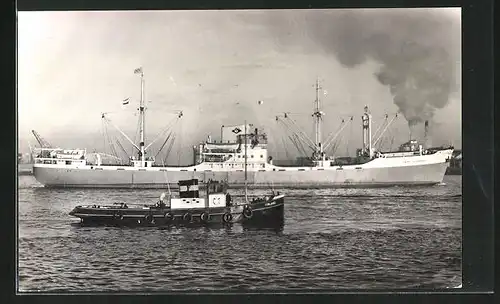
[
  {"x": 217, "y": 207},
  {"x": 190, "y": 208}
]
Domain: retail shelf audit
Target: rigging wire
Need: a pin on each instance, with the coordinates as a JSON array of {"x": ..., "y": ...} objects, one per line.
[
  {"x": 299, "y": 143},
  {"x": 103, "y": 136},
  {"x": 171, "y": 145},
  {"x": 122, "y": 149},
  {"x": 164, "y": 143},
  {"x": 392, "y": 140},
  {"x": 301, "y": 133},
  {"x": 348, "y": 138},
  {"x": 337, "y": 144},
  {"x": 280, "y": 137},
  {"x": 169, "y": 127},
  {"x": 294, "y": 138},
  {"x": 166, "y": 178},
  {"x": 330, "y": 136},
  {"x": 294, "y": 141},
  {"x": 375, "y": 135},
  {"x": 110, "y": 142},
  {"x": 136, "y": 134}
]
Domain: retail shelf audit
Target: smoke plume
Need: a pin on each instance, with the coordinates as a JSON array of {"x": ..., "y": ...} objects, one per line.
[{"x": 417, "y": 49}]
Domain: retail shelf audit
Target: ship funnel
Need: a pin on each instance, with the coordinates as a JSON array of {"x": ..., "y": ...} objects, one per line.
[{"x": 426, "y": 134}]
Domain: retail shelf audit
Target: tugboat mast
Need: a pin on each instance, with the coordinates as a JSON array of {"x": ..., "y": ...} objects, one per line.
[
  {"x": 141, "y": 112},
  {"x": 246, "y": 184}
]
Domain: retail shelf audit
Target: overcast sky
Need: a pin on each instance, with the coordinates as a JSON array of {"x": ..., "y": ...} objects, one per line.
[{"x": 216, "y": 65}]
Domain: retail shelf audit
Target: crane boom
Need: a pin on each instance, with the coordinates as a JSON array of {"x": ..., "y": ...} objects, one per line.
[{"x": 42, "y": 142}]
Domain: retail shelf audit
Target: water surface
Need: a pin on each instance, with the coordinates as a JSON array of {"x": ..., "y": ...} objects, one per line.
[{"x": 398, "y": 237}]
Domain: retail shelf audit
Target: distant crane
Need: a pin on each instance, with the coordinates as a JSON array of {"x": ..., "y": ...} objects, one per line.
[{"x": 43, "y": 143}]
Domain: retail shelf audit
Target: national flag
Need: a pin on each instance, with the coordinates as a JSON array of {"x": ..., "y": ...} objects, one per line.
[
  {"x": 126, "y": 101},
  {"x": 138, "y": 71},
  {"x": 236, "y": 130}
]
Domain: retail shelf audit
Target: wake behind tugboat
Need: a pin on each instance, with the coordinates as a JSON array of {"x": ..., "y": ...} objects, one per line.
[{"x": 217, "y": 208}]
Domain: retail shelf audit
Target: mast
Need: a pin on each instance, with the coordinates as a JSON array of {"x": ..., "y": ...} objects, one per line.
[
  {"x": 141, "y": 112},
  {"x": 317, "y": 123},
  {"x": 246, "y": 184},
  {"x": 367, "y": 132}
]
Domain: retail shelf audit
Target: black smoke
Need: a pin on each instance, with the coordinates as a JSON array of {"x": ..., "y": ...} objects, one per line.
[{"x": 417, "y": 51}]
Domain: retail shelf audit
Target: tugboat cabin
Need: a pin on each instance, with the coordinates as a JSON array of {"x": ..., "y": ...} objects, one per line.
[{"x": 189, "y": 197}]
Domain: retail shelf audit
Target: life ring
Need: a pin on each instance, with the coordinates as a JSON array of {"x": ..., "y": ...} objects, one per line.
[
  {"x": 168, "y": 216},
  {"x": 187, "y": 217},
  {"x": 227, "y": 217},
  {"x": 149, "y": 218},
  {"x": 247, "y": 212},
  {"x": 204, "y": 217}
]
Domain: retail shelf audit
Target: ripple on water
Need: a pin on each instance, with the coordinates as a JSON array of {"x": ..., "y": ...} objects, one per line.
[{"x": 344, "y": 238}]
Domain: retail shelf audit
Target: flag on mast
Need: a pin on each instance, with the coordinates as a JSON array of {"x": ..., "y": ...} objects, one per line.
[
  {"x": 126, "y": 101},
  {"x": 138, "y": 71}
]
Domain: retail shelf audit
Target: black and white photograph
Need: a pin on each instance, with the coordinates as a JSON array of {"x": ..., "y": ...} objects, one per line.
[{"x": 246, "y": 150}]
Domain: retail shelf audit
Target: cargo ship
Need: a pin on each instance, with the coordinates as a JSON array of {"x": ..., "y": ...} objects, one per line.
[{"x": 225, "y": 159}]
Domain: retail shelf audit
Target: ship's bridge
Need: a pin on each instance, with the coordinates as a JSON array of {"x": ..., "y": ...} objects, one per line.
[
  {"x": 409, "y": 146},
  {"x": 233, "y": 147},
  {"x": 257, "y": 154}
]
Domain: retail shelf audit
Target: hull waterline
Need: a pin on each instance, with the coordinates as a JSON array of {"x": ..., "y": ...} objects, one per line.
[
  {"x": 353, "y": 176},
  {"x": 267, "y": 213}
]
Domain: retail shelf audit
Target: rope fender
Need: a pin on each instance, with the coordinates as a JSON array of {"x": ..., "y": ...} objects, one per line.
[
  {"x": 227, "y": 217},
  {"x": 247, "y": 212}
]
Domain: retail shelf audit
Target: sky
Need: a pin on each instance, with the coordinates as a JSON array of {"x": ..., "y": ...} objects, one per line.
[{"x": 216, "y": 66}]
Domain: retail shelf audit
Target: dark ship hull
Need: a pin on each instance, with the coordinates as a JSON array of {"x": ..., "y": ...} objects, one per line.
[{"x": 261, "y": 212}]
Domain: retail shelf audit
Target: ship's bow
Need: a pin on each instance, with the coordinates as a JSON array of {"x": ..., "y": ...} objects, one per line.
[{"x": 268, "y": 212}]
